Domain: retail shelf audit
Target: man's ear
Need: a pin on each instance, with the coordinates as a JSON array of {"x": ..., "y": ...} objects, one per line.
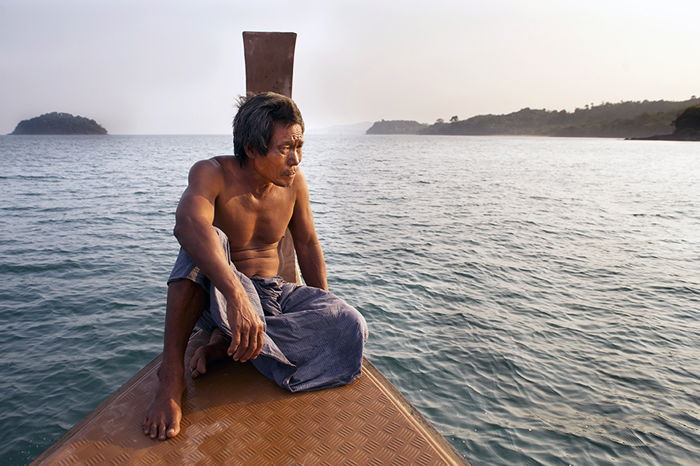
[{"x": 250, "y": 152}]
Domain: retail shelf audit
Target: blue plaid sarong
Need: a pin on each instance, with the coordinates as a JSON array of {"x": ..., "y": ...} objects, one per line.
[{"x": 313, "y": 339}]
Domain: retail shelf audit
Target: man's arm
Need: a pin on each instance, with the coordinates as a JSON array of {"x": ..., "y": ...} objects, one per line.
[
  {"x": 308, "y": 249},
  {"x": 194, "y": 230}
]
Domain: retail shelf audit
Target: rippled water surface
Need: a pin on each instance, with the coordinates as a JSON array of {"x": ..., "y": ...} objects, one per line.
[{"x": 537, "y": 299}]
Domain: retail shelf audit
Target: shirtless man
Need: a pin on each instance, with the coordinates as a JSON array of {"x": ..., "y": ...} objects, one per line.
[{"x": 229, "y": 222}]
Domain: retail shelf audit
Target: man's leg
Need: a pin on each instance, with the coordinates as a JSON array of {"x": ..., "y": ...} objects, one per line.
[
  {"x": 319, "y": 332},
  {"x": 185, "y": 303}
]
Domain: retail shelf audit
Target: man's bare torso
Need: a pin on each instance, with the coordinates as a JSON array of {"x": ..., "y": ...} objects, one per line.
[{"x": 254, "y": 222}]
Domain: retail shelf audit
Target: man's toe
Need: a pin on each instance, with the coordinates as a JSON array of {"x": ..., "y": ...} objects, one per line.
[
  {"x": 202, "y": 366},
  {"x": 154, "y": 430},
  {"x": 172, "y": 431}
]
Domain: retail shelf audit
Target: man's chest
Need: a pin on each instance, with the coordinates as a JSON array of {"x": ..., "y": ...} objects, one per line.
[{"x": 248, "y": 220}]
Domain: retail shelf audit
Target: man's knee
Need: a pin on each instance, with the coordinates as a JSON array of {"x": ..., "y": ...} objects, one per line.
[
  {"x": 184, "y": 284},
  {"x": 353, "y": 320},
  {"x": 184, "y": 291}
]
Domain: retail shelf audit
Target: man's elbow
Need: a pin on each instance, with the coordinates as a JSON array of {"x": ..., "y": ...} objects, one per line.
[
  {"x": 182, "y": 225},
  {"x": 311, "y": 247}
]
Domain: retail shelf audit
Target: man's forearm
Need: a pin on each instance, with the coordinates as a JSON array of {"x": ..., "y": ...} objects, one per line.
[
  {"x": 312, "y": 265},
  {"x": 203, "y": 245}
]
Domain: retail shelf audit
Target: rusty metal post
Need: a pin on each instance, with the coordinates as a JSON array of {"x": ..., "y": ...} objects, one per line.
[
  {"x": 269, "y": 61},
  {"x": 269, "y": 66}
]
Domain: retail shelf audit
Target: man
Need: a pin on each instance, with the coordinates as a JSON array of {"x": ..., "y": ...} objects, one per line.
[{"x": 229, "y": 222}]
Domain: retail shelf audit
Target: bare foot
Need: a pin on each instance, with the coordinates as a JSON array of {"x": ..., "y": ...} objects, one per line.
[
  {"x": 162, "y": 420},
  {"x": 205, "y": 354}
]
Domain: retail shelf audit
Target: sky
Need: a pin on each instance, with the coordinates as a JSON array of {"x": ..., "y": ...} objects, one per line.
[{"x": 177, "y": 67}]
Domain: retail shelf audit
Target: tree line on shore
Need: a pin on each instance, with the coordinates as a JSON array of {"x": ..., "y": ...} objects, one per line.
[{"x": 630, "y": 119}]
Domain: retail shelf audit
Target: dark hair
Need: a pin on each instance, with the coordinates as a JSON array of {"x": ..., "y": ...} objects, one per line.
[{"x": 254, "y": 122}]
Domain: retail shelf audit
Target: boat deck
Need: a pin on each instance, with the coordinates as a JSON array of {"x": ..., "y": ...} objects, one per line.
[{"x": 233, "y": 415}]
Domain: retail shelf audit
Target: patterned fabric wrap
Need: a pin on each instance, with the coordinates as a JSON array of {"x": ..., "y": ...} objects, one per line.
[{"x": 313, "y": 339}]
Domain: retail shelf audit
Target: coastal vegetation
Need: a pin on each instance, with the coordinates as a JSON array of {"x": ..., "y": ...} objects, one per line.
[
  {"x": 59, "y": 123},
  {"x": 688, "y": 122},
  {"x": 687, "y": 127},
  {"x": 620, "y": 120}
]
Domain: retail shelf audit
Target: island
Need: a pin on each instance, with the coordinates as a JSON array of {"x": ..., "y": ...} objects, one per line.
[
  {"x": 631, "y": 119},
  {"x": 58, "y": 123}
]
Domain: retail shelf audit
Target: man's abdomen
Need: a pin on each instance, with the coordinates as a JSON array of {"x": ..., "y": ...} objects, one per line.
[{"x": 256, "y": 261}]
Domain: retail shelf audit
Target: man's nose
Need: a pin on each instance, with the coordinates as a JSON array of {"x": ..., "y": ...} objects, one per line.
[{"x": 295, "y": 157}]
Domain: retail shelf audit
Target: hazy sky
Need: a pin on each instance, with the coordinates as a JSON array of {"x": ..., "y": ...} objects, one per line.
[{"x": 159, "y": 67}]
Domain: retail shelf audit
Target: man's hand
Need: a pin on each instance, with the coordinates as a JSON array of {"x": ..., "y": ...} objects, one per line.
[{"x": 247, "y": 330}]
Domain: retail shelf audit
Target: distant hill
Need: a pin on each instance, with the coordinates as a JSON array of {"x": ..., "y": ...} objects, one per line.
[
  {"x": 396, "y": 127},
  {"x": 621, "y": 120},
  {"x": 59, "y": 123}
]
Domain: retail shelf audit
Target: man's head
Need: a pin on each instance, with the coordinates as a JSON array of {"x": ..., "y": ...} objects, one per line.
[{"x": 254, "y": 123}]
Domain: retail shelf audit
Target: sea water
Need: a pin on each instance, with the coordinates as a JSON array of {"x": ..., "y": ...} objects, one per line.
[{"x": 537, "y": 299}]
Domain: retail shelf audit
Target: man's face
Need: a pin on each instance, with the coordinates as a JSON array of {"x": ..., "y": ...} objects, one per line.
[{"x": 279, "y": 165}]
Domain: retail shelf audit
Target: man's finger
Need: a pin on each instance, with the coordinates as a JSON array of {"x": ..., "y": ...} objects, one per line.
[
  {"x": 242, "y": 347},
  {"x": 235, "y": 342},
  {"x": 252, "y": 344},
  {"x": 261, "y": 341}
]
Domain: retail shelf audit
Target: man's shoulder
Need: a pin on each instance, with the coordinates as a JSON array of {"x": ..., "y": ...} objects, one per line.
[
  {"x": 300, "y": 185},
  {"x": 209, "y": 171},
  {"x": 218, "y": 163},
  {"x": 214, "y": 167}
]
